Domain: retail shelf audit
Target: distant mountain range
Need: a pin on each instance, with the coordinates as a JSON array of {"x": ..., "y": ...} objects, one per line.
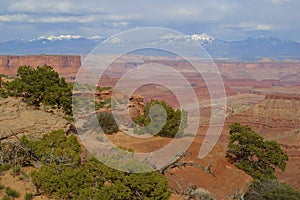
[{"x": 250, "y": 49}]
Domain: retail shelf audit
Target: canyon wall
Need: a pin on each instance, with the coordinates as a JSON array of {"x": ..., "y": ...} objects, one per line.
[
  {"x": 277, "y": 118},
  {"x": 66, "y": 65},
  {"x": 262, "y": 70}
]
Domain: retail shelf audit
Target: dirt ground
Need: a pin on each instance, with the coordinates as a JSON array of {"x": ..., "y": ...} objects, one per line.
[{"x": 21, "y": 183}]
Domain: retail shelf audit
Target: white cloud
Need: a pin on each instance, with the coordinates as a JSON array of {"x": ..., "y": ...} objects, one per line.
[
  {"x": 46, "y": 19},
  {"x": 217, "y": 17},
  {"x": 13, "y": 18},
  {"x": 251, "y": 26},
  {"x": 66, "y": 11},
  {"x": 122, "y": 23},
  {"x": 280, "y": 1},
  {"x": 41, "y": 6},
  {"x": 264, "y": 27}
]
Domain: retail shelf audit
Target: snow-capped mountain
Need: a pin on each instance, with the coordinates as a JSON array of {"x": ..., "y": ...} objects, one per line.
[
  {"x": 204, "y": 37},
  {"x": 60, "y": 37},
  {"x": 249, "y": 49},
  {"x": 61, "y": 44},
  {"x": 66, "y": 37}
]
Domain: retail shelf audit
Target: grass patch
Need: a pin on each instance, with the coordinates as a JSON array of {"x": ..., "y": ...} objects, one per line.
[
  {"x": 17, "y": 169},
  {"x": 6, "y": 198},
  {"x": 5, "y": 167},
  {"x": 1, "y": 186},
  {"x": 28, "y": 196},
  {"x": 12, "y": 193},
  {"x": 129, "y": 149}
]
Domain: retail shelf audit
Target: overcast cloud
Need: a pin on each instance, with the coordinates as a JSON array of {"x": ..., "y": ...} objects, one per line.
[{"x": 227, "y": 20}]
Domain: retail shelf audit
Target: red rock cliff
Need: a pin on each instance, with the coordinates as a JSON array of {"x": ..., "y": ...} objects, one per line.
[{"x": 66, "y": 65}]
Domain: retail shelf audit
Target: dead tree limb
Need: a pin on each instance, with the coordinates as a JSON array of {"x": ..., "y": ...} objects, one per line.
[
  {"x": 177, "y": 158},
  {"x": 175, "y": 163}
]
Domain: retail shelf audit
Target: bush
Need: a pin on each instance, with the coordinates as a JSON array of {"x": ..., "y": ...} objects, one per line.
[
  {"x": 6, "y": 198},
  {"x": 5, "y": 167},
  {"x": 60, "y": 181},
  {"x": 101, "y": 89},
  {"x": 256, "y": 156},
  {"x": 87, "y": 182},
  {"x": 131, "y": 150},
  {"x": 176, "y": 120},
  {"x": 271, "y": 189},
  {"x": 193, "y": 192},
  {"x": 55, "y": 147},
  {"x": 71, "y": 180},
  {"x": 11, "y": 192},
  {"x": 3, "y": 93},
  {"x": 17, "y": 169},
  {"x": 28, "y": 196},
  {"x": 42, "y": 86},
  {"x": 105, "y": 120}
]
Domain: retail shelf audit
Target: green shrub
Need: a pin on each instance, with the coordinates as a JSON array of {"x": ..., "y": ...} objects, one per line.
[
  {"x": 175, "y": 122},
  {"x": 3, "y": 93},
  {"x": 271, "y": 189},
  {"x": 131, "y": 150},
  {"x": 63, "y": 176},
  {"x": 42, "y": 85},
  {"x": 5, "y": 167},
  {"x": 11, "y": 192},
  {"x": 6, "y": 198},
  {"x": 194, "y": 192},
  {"x": 75, "y": 181},
  {"x": 28, "y": 196},
  {"x": 256, "y": 156},
  {"x": 17, "y": 169},
  {"x": 101, "y": 89},
  {"x": 55, "y": 147},
  {"x": 1, "y": 186},
  {"x": 105, "y": 120}
]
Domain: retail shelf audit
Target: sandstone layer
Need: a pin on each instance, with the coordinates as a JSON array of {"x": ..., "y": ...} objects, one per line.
[
  {"x": 66, "y": 65},
  {"x": 277, "y": 118},
  {"x": 16, "y": 118}
]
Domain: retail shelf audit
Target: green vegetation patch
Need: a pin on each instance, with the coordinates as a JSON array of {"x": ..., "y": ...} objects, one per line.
[
  {"x": 271, "y": 189},
  {"x": 40, "y": 86},
  {"x": 63, "y": 176},
  {"x": 175, "y": 121},
  {"x": 256, "y": 156},
  {"x": 11, "y": 192}
]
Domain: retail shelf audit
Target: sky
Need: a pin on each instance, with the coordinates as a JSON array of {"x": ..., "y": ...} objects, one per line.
[{"x": 226, "y": 20}]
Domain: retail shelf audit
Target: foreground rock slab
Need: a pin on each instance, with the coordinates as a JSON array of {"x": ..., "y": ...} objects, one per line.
[{"x": 17, "y": 118}]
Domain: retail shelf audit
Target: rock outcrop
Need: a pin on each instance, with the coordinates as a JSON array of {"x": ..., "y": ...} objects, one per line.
[
  {"x": 277, "y": 118},
  {"x": 16, "y": 118},
  {"x": 66, "y": 65},
  {"x": 262, "y": 70}
]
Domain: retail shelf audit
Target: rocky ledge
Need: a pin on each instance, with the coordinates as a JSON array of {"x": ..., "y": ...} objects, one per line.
[{"x": 16, "y": 118}]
